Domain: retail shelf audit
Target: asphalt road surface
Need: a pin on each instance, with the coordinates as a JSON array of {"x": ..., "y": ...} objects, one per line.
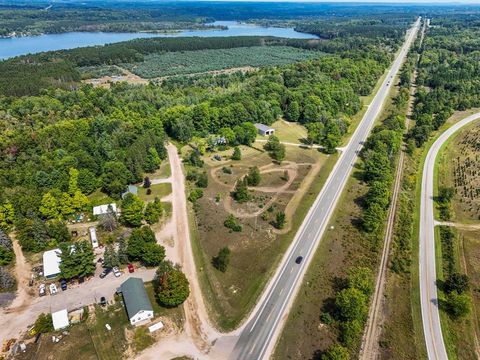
[
  {"x": 258, "y": 336},
  {"x": 432, "y": 328}
]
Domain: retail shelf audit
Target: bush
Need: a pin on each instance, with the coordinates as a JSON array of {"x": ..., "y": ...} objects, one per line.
[
  {"x": 240, "y": 193},
  {"x": 43, "y": 324},
  {"x": 171, "y": 285},
  {"x": 227, "y": 170},
  {"x": 457, "y": 305},
  {"x": 221, "y": 261},
  {"x": 231, "y": 223},
  {"x": 202, "y": 180},
  {"x": 237, "y": 154},
  {"x": 457, "y": 282},
  {"x": 195, "y": 195},
  {"x": 280, "y": 220},
  {"x": 336, "y": 352},
  {"x": 253, "y": 177}
]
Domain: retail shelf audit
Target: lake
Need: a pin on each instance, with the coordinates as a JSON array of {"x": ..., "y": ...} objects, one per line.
[{"x": 10, "y": 47}]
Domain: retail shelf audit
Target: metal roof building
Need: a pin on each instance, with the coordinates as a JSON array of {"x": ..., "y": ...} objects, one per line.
[
  {"x": 60, "y": 319},
  {"x": 137, "y": 303},
  {"x": 51, "y": 263},
  {"x": 264, "y": 130},
  {"x": 103, "y": 209}
]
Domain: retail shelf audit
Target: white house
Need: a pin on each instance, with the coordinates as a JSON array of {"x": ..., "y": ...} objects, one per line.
[
  {"x": 264, "y": 130},
  {"x": 137, "y": 303},
  {"x": 103, "y": 209},
  {"x": 93, "y": 237},
  {"x": 51, "y": 263},
  {"x": 60, "y": 319}
]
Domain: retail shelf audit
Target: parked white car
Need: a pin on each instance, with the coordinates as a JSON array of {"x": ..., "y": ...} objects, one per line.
[
  {"x": 42, "y": 290},
  {"x": 116, "y": 272},
  {"x": 53, "y": 289}
]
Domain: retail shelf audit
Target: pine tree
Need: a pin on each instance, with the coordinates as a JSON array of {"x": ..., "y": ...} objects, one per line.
[
  {"x": 122, "y": 250},
  {"x": 110, "y": 257},
  {"x": 240, "y": 193}
]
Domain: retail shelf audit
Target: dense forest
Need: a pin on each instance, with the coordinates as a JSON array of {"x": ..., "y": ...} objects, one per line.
[
  {"x": 448, "y": 73},
  {"x": 34, "y": 17},
  {"x": 111, "y": 137}
]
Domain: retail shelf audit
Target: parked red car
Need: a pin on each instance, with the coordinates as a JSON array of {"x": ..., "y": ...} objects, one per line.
[{"x": 131, "y": 269}]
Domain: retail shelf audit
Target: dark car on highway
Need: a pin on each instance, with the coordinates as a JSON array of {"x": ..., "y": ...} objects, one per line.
[{"x": 299, "y": 259}]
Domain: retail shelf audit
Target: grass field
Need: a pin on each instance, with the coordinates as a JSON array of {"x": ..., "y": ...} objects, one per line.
[
  {"x": 158, "y": 190},
  {"x": 191, "y": 62},
  {"x": 288, "y": 132},
  {"x": 258, "y": 247}
]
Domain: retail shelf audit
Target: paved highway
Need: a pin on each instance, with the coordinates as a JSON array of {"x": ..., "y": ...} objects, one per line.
[
  {"x": 428, "y": 289},
  {"x": 259, "y": 334}
]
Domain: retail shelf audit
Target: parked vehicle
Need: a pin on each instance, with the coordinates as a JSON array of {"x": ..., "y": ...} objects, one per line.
[
  {"x": 42, "y": 290},
  {"x": 116, "y": 272},
  {"x": 103, "y": 301},
  {"x": 105, "y": 272},
  {"x": 130, "y": 267},
  {"x": 63, "y": 284},
  {"x": 53, "y": 289}
]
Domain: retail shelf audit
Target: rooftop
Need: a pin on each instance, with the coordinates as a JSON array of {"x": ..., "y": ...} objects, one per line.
[
  {"x": 135, "y": 296},
  {"x": 263, "y": 127},
  {"x": 103, "y": 209},
  {"x": 51, "y": 262},
  {"x": 60, "y": 319}
]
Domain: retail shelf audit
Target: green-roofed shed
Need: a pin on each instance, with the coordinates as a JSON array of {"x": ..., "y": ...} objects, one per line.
[{"x": 137, "y": 303}]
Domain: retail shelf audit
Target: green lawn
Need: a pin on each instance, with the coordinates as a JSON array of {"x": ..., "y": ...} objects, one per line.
[
  {"x": 176, "y": 314},
  {"x": 99, "y": 198},
  {"x": 288, "y": 132},
  {"x": 158, "y": 190},
  {"x": 109, "y": 344}
]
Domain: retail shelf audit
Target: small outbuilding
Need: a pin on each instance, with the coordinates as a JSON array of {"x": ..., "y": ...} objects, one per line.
[
  {"x": 103, "y": 209},
  {"x": 138, "y": 305},
  {"x": 93, "y": 236},
  {"x": 60, "y": 319},
  {"x": 51, "y": 263},
  {"x": 264, "y": 130}
]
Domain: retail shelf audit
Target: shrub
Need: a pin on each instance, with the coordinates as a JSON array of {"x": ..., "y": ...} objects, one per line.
[
  {"x": 240, "y": 193},
  {"x": 221, "y": 261},
  {"x": 280, "y": 220},
  {"x": 171, "y": 285},
  {"x": 253, "y": 177},
  {"x": 195, "y": 195},
  {"x": 231, "y": 223},
  {"x": 237, "y": 154},
  {"x": 43, "y": 324}
]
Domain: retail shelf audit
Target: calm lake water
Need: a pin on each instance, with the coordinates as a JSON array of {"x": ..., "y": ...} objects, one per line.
[{"x": 10, "y": 47}]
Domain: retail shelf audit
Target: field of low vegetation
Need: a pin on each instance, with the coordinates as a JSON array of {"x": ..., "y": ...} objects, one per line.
[
  {"x": 199, "y": 61},
  {"x": 246, "y": 213}
]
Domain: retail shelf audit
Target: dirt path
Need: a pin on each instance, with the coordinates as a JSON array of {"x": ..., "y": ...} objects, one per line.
[
  {"x": 459, "y": 225},
  {"x": 22, "y": 272},
  {"x": 199, "y": 335}
]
